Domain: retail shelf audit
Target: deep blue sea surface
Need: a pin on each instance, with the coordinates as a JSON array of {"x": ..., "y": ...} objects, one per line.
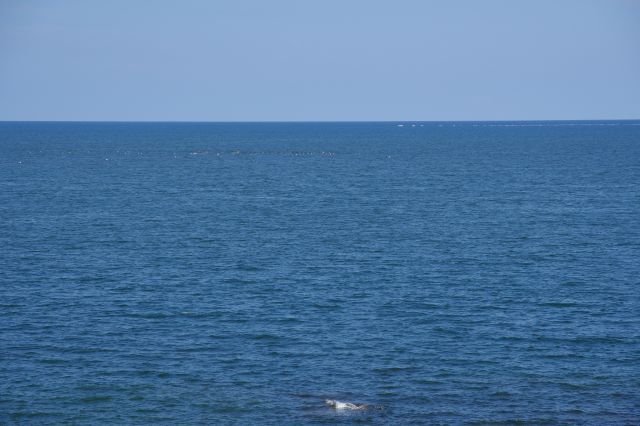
[{"x": 442, "y": 273}]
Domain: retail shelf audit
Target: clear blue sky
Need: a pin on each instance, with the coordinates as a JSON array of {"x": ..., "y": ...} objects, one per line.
[{"x": 230, "y": 60}]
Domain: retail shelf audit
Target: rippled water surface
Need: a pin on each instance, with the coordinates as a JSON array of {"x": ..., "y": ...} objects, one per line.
[{"x": 444, "y": 273}]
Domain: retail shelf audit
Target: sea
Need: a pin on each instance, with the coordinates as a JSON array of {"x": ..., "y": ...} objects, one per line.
[{"x": 439, "y": 273}]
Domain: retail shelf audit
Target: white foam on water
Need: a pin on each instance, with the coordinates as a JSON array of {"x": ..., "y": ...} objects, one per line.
[{"x": 338, "y": 405}]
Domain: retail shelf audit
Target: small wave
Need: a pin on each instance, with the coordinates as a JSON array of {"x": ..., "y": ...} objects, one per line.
[
  {"x": 339, "y": 405},
  {"x": 53, "y": 361},
  {"x": 149, "y": 315},
  {"x": 353, "y": 406},
  {"x": 96, "y": 399},
  {"x": 394, "y": 370},
  {"x": 559, "y": 304}
]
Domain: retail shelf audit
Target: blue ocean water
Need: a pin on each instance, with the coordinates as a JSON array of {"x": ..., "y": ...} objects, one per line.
[{"x": 442, "y": 273}]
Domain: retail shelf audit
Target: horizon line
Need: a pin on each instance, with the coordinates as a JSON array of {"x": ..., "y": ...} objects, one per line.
[{"x": 318, "y": 121}]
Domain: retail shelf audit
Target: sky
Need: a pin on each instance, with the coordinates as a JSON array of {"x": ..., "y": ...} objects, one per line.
[{"x": 324, "y": 60}]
